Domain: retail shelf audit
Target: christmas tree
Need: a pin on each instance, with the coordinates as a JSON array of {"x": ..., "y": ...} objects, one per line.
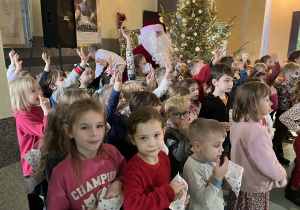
[{"x": 194, "y": 29}]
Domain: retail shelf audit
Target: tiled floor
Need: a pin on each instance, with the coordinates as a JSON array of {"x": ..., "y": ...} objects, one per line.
[{"x": 277, "y": 199}]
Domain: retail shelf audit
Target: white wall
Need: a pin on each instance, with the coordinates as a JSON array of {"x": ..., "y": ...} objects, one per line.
[{"x": 108, "y": 15}]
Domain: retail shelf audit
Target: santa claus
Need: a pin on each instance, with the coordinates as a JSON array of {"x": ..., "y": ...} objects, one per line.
[{"x": 155, "y": 43}]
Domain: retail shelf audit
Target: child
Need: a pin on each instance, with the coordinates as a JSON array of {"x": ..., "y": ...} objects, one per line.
[
  {"x": 273, "y": 68},
  {"x": 26, "y": 95},
  {"x": 129, "y": 87},
  {"x": 294, "y": 57},
  {"x": 86, "y": 79},
  {"x": 144, "y": 98},
  {"x": 216, "y": 105},
  {"x": 111, "y": 98},
  {"x": 260, "y": 71},
  {"x": 193, "y": 68},
  {"x": 90, "y": 166},
  {"x": 54, "y": 143},
  {"x": 240, "y": 73},
  {"x": 71, "y": 95},
  {"x": 291, "y": 119},
  {"x": 179, "y": 91},
  {"x": 252, "y": 148},
  {"x": 147, "y": 175},
  {"x": 192, "y": 85},
  {"x": 204, "y": 74},
  {"x": 177, "y": 110},
  {"x": 204, "y": 178},
  {"x": 284, "y": 88},
  {"x": 56, "y": 82}
]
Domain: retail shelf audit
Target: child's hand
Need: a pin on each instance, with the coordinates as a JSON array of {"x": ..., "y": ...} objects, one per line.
[
  {"x": 18, "y": 63},
  {"x": 273, "y": 90},
  {"x": 218, "y": 56},
  {"x": 101, "y": 62},
  {"x": 11, "y": 56},
  {"x": 114, "y": 190},
  {"x": 221, "y": 170},
  {"x": 193, "y": 116},
  {"x": 46, "y": 58},
  {"x": 240, "y": 65},
  {"x": 45, "y": 104},
  {"x": 177, "y": 186},
  {"x": 231, "y": 54},
  {"x": 227, "y": 125},
  {"x": 283, "y": 61},
  {"x": 47, "y": 61},
  {"x": 168, "y": 65},
  {"x": 125, "y": 33},
  {"x": 38, "y": 176},
  {"x": 274, "y": 57},
  {"x": 118, "y": 80},
  {"x": 111, "y": 62},
  {"x": 187, "y": 199},
  {"x": 183, "y": 127},
  {"x": 282, "y": 183},
  {"x": 150, "y": 80},
  {"x": 83, "y": 56}
]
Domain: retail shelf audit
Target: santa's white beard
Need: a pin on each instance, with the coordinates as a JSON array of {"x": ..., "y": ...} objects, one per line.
[{"x": 158, "y": 46}]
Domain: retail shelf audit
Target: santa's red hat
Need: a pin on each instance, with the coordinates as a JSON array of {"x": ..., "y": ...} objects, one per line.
[{"x": 153, "y": 25}]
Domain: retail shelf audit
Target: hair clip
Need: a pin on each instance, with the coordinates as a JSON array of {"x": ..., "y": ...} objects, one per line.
[{"x": 99, "y": 91}]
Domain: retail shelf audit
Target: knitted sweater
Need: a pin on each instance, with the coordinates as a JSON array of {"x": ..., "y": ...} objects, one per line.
[
  {"x": 252, "y": 149},
  {"x": 147, "y": 186},
  {"x": 30, "y": 128}
]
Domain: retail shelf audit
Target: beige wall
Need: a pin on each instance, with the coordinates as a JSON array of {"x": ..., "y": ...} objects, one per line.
[
  {"x": 108, "y": 15},
  {"x": 248, "y": 24},
  {"x": 279, "y": 27},
  {"x": 227, "y": 9}
]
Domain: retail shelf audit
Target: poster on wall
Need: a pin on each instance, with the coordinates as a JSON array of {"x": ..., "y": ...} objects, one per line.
[
  {"x": 86, "y": 22},
  {"x": 11, "y": 24}
]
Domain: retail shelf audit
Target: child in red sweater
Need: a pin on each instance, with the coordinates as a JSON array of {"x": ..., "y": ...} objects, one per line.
[
  {"x": 30, "y": 110},
  {"x": 147, "y": 175}
]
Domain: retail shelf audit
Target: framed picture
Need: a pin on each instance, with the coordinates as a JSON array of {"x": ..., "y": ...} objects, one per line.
[{"x": 87, "y": 22}]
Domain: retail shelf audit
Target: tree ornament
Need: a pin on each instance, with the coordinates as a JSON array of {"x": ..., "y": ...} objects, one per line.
[
  {"x": 199, "y": 11},
  {"x": 182, "y": 35},
  {"x": 195, "y": 34},
  {"x": 193, "y": 15},
  {"x": 178, "y": 16},
  {"x": 197, "y": 49},
  {"x": 176, "y": 49},
  {"x": 194, "y": 1},
  {"x": 187, "y": 3},
  {"x": 180, "y": 56}
]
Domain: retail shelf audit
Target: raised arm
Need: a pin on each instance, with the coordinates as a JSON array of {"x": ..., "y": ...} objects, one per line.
[
  {"x": 18, "y": 68},
  {"x": 12, "y": 66},
  {"x": 46, "y": 71}
]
